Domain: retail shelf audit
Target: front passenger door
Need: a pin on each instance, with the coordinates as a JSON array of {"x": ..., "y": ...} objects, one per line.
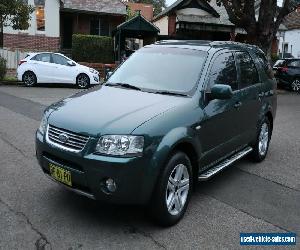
[
  {"x": 220, "y": 128},
  {"x": 64, "y": 72}
]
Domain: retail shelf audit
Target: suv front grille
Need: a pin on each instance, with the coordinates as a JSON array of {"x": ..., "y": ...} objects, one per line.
[{"x": 66, "y": 139}]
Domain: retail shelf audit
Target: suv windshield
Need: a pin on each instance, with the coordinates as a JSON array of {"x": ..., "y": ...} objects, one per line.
[{"x": 162, "y": 69}]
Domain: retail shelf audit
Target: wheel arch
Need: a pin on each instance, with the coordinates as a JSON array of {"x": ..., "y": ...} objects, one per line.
[
  {"x": 270, "y": 117},
  {"x": 189, "y": 149},
  {"x": 83, "y": 73},
  {"x": 179, "y": 139}
]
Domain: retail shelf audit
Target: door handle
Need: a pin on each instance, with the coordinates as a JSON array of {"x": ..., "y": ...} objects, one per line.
[{"x": 237, "y": 105}]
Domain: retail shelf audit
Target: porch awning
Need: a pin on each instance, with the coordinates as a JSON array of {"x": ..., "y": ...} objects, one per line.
[{"x": 137, "y": 27}]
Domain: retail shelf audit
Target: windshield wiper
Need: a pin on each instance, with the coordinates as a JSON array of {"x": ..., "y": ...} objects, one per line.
[
  {"x": 124, "y": 85},
  {"x": 170, "y": 93}
]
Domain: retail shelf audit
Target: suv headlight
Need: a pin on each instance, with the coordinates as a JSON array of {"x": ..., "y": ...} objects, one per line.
[
  {"x": 43, "y": 125},
  {"x": 120, "y": 145}
]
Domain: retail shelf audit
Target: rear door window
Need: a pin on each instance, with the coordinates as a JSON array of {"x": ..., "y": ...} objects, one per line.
[
  {"x": 248, "y": 74},
  {"x": 223, "y": 71},
  {"x": 44, "y": 57}
]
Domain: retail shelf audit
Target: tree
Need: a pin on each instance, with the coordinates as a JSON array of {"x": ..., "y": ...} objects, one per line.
[
  {"x": 158, "y": 5},
  {"x": 14, "y": 13},
  {"x": 262, "y": 29}
]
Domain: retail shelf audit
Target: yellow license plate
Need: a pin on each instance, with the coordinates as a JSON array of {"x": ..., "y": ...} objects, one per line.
[{"x": 60, "y": 174}]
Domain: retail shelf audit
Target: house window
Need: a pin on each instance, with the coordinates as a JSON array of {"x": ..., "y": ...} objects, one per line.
[
  {"x": 99, "y": 27},
  {"x": 40, "y": 14}
]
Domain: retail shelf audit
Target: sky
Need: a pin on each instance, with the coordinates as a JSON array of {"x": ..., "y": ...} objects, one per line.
[{"x": 169, "y": 2}]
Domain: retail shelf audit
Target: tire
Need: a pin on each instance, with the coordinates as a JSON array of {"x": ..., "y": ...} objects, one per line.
[
  {"x": 295, "y": 86},
  {"x": 29, "y": 79},
  {"x": 83, "y": 81},
  {"x": 262, "y": 143},
  {"x": 172, "y": 194}
]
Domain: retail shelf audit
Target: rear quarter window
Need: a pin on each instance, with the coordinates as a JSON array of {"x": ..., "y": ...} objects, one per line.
[{"x": 265, "y": 65}]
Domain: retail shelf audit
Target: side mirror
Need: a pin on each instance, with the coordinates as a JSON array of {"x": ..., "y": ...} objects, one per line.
[
  {"x": 221, "y": 92},
  {"x": 71, "y": 63},
  {"x": 108, "y": 74}
]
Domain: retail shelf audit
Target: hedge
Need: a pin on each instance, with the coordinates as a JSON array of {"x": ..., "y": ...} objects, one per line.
[
  {"x": 92, "y": 49},
  {"x": 2, "y": 68}
]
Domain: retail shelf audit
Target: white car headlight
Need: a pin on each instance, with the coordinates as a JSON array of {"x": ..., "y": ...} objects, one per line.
[
  {"x": 120, "y": 145},
  {"x": 43, "y": 125},
  {"x": 93, "y": 71}
]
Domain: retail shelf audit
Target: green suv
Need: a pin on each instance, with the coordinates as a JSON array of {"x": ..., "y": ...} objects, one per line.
[{"x": 174, "y": 113}]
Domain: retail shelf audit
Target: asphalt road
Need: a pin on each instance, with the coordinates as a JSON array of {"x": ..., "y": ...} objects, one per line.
[{"x": 36, "y": 213}]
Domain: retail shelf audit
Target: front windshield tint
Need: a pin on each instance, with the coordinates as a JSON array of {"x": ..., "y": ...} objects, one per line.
[{"x": 162, "y": 69}]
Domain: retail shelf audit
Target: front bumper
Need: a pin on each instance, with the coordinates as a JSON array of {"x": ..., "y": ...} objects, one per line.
[
  {"x": 95, "y": 79},
  {"x": 134, "y": 183}
]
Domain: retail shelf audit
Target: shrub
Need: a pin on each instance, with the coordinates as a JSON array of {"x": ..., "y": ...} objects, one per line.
[
  {"x": 2, "y": 68},
  {"x": 93, "y": 49}
]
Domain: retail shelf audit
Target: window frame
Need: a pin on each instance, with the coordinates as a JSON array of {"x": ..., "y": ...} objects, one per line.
[
  {"x": 39, "y": 54},
  {"x": 52, "y": 59},
  {"x": 239, "y": 70},
  {"x": 99, "y": 20},
  {"x": 211, "y": 64}
]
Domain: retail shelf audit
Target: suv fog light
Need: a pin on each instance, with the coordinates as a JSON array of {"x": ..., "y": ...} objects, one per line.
[{"x": 110, "y": 185}]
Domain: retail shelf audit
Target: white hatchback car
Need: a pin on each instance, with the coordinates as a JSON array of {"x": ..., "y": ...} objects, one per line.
[{"x": 46, "y": 67}]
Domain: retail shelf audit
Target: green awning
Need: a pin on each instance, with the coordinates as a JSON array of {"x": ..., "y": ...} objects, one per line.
[{"x": 137, "y": 27}]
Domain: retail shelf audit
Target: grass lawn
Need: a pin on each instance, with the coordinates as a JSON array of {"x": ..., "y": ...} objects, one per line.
[{"x": 10, "y": 79}]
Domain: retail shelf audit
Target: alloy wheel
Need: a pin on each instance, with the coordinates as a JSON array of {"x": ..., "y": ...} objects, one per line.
[
  {"x": 177, "y": 189},
  {"x": 296, "y": 85},
  {"x": 263, "y": 139},
  {"x": 83, "y": 81},
  {"x": 29, "y": 79}
]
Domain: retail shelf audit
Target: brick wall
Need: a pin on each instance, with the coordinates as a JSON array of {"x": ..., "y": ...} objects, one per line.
[
  {"x": 172, "y": 25},
  {"x": 100, "y": 67},
  {"x": 31, "y": 43}
]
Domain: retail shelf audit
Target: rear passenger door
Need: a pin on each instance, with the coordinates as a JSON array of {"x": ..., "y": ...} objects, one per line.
[
  {"x": 43, "y": 67},
  {"x": 249, "y": 95}
]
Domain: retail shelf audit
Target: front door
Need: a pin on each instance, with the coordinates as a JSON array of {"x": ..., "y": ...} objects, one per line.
[
  {"x": 220, "y": 128},
  {"x": 64, "y": 73}
]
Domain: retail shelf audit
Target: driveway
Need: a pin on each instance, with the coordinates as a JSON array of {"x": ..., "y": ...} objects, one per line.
[{"x": 36, "y": 213}]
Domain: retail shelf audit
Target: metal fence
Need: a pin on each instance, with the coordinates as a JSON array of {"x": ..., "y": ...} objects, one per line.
[{"x": 12, "y": 57}]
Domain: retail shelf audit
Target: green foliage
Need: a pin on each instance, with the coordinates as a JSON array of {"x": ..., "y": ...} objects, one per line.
[
  {"x": 130, "y": 13},
  {"x": 2, "y": 68},
  {"x": 158, "y": 5},
  {"x": 15, "y": 13},
  {"x": 92, "y": 49}
]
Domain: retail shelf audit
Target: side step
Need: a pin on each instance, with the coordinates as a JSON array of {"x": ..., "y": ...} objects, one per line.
[{"x": 224, "y": 164}]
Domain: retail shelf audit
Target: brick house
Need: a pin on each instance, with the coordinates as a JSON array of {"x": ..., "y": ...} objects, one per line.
[
  {"x": 146, "y": 10},
  {"x": 55, "y": 21}
]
